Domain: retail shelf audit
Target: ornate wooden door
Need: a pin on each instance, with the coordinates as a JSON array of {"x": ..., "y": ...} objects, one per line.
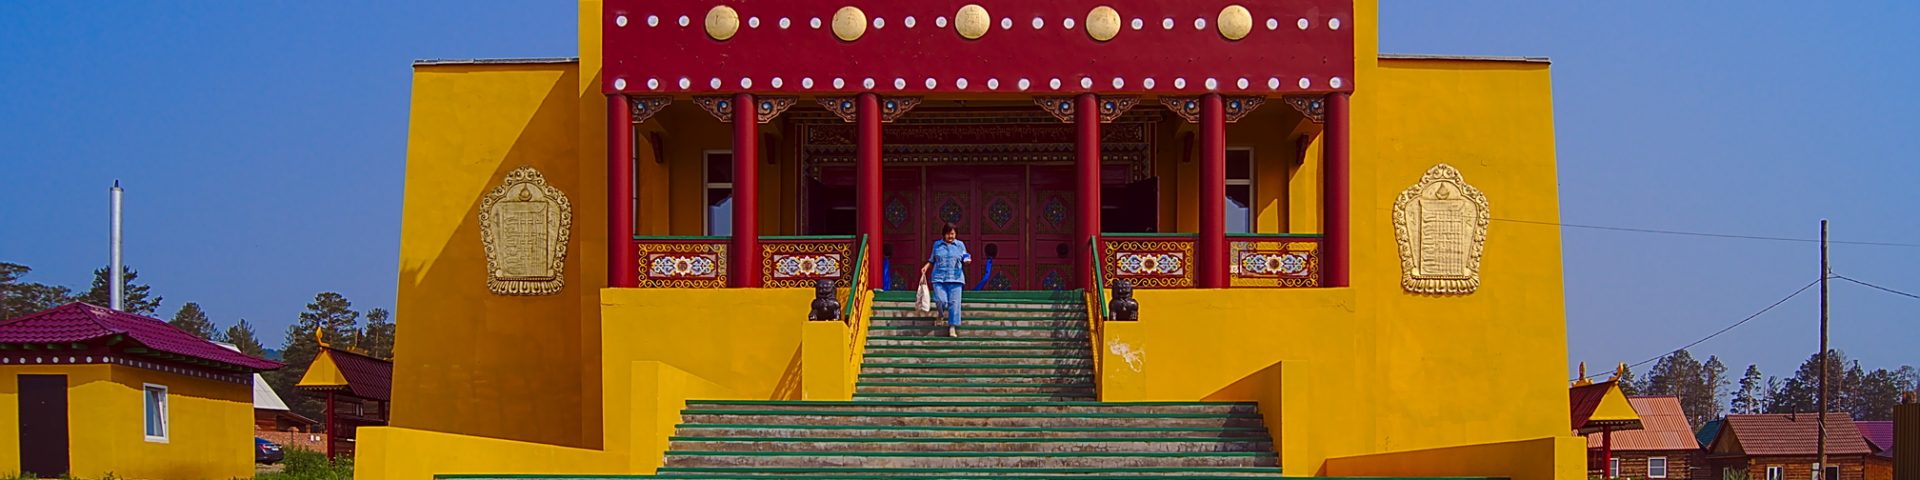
[
  {"x": 904, "y": 227},
  {"x": 1051, "y": 218}
]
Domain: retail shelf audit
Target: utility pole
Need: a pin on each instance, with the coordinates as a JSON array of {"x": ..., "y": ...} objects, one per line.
[
  {"x": 1820, "y": 468},
  {"x": 115, "y": 281}
]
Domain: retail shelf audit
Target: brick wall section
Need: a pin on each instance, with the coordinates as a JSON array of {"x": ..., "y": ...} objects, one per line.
[{"x": 291, "y": 440}]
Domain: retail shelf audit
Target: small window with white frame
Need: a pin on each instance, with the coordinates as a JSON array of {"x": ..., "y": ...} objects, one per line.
[
  {"x": 1656, "y": 467},
  {"x": 718, "y": 191},
  {"x": 1240, "y": 210},
  {"x": 156, "y": 412},
  {"x": 1773, "y": 472},
  {"x": 1613, "y": 466}
]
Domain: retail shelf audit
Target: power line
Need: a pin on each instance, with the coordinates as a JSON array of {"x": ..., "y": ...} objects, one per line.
[
  {"x": 1696, "y": 234},
  {"x": 1795, "y": 293},
  {"x": 1884, "y": 289}
]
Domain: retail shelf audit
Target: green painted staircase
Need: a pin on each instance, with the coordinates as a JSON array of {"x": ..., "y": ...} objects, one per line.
[{"x": 1012, "y": 396}]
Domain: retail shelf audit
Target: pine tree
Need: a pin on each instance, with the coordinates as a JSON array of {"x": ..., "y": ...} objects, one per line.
[
  {"x": 193, "y": 320},
  {"x": 241, "y": 335},
  {"x": 376, "y": 338},
  {"x": 1750, "y": 398},
  {"x": 330, "y": 315},
  {"x": 1877, "y": 394},
  {"x": 1708, "y": 394},
  {"x": 1801, "y": 393},
  {"x": 1628, "y": 385},
  {"x": 134, "y": 294},
  {"x": 19, "y": 298}
]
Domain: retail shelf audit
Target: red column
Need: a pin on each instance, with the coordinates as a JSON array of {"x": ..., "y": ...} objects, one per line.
[
  {"x": 622, "y": 267},
  {"x": 1606, "y": 452},
  {"x": 866, "y": 189},
  {"x": 1086, "y": 183},
  {"x": 744, "y": 253},
  {"x": 1212, "y": 243},
  {"x": 1336, "y": 245},
  {"x": 332, "y": 427}
]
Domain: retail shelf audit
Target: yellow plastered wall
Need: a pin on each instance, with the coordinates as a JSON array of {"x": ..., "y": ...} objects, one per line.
[
  {"x": 510, "y": 367},
  {"x": 1285, "y": 196},
  {"x": 688, "y": 134},
  {"x": 210, "y": 432}
]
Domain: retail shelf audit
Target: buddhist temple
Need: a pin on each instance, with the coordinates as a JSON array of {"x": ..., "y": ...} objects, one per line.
[{"x": 1211, "y": 239}]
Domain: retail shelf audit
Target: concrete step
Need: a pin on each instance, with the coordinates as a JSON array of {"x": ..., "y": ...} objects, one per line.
[
  {"x": 984, "y": 397},
  {"x": 967, "y": 302},
  {"x": 966, "y": 419},
  {"x": 978, "y": 331},
  {"x": 875, "y": 370},
  {"x": 981, "y": 359},
  {"x": 945, "y": 378},
  {"x": 969, "y": 311},
  {"x": 974, "y": 342},
  {"x": 978, "y": 321},
  {"x": 875, "y": 459},
  {"x": 1064, "y": 390},
  {"x": 1067, "y": 444},
  {"x": 965, "y": 383},
  {"x": 1033, "y": 473},
  {"x": 1082, "y": 350},
  {"x": 955, "y": 432}
]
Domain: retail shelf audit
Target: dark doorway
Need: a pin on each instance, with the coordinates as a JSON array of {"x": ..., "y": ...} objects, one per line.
[{"x": 43, "y": 425}]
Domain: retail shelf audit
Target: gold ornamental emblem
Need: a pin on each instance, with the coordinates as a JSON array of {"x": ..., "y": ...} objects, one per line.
[
  {"x": 1234, "y": 22},
  {"x": 849, "y": 23},
  {"x": 524, "y": 225},
  {"x": 1103, "y": 23},
  {"x": 972, "y": 21},
  {"x": 722, "y": 22},
  {"x": 1441, "y": 226}
]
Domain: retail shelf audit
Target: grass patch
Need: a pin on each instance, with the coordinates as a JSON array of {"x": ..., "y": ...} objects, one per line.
[{"x": 302, "y": 464}]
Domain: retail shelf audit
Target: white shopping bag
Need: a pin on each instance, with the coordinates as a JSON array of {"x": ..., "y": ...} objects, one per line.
[{"x": 923, "y": 299}]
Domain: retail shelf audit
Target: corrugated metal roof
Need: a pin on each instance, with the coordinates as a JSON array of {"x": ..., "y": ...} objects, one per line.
[
  {"x": 1794, "y": 434},
  {"x": 1879, "y": 435},
  {"x": 367, "y": 377},
  {"x": 80, "y": 322},
  {"x": 1663, "y": 426},
  {"x": 1600, "y": 405}
]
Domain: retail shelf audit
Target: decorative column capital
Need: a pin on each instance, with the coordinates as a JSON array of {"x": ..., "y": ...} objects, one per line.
[
  {"x": 644, "y": 107},
  {"x": 1314, "y": 107},
  {"x": 1111, "y": 108},
  {"x": 1236, "y": 107},
  {"x": 891, "y": 108},
  {"x": 765, "y": 108}
]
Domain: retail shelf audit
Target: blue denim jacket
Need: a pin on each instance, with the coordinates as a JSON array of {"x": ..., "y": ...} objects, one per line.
[{"x": 948, "y": 259}]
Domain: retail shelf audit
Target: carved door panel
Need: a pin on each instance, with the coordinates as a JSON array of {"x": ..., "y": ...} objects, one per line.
[
  {"x": 1051, "y": 220},
  {"x": 950, "y": 199},
  {"x": 1002, "y": 235},
  {"x": 903, "y": 226}
]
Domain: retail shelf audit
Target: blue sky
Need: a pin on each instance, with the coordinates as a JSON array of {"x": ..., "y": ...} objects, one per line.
[{"x": 262, "y": 145}]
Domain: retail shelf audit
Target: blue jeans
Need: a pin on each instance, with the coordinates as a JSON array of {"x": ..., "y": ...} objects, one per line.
[{"x": 946, "y": 296}]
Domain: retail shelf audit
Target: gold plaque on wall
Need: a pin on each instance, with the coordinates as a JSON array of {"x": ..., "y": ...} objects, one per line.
[
  {"x": 524, "y": 224},
  {"x": 1441, "y": 225}
]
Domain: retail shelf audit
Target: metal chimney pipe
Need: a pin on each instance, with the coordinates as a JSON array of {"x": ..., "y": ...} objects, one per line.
[{"x": 117, "y": 281}]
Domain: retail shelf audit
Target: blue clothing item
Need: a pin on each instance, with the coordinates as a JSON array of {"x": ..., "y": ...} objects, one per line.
[
  {"x": 949, "y": 261},
  {"x": 947, "y": 295}
]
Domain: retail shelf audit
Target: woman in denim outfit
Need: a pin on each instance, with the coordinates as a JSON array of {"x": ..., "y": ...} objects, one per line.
[{"x": 946, "y": 263}]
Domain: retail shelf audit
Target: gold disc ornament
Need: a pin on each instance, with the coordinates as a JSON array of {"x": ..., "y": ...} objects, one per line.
[
  {"x": 1235, "y": 22},
  {"x": 1103, "y": 23},
  {"x": 849, "y": 23},
  {"x": 722, "y": 22},
  {"x": 972, "y": 21}
]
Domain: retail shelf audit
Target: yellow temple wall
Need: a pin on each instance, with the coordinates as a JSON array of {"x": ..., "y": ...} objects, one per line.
[
  {"x": 210, "y": 423},
  {"x": 511, "y": 367}
]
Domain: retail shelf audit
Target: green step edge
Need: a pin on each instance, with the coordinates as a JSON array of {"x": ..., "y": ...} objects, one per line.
[
  {"x": 969, "y": 375},
  {"x": 976, "y": 440},
  {"x": 839, "y": 413},
  {"x": 1180, "y": 476},
  {"x": 972, "y": 385},
  {"x": 950, "y": 454},
  {"x": 964, "y": 428},
  {"x": 967, "y": 470},
  {"x": 964, "y": 309},
  {"x": 976, "y": 339},
  {"x": 843, "y": 403},
  {"x": 1082, "y": 346},
  {"x": 964, "y": 327},
  {"x": 976, "y": 355},
  {"x": 975, "y": 365},
  {"x": 858, "y": 396}
]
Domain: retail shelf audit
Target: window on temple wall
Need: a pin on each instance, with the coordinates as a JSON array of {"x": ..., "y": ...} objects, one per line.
[
  {"x": 156, "y": 412},
  {"x": 1240, "y": 190},
  {"x": 719, "y": 192},
  {"x": 1657, "y": 467}
]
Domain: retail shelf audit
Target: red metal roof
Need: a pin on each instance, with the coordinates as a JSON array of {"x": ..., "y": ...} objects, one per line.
[
  {"x": 1879, "y": 435},
  {"x": 367, "y": 377},
  {"x": 79, "y": 322},
  {"x": 1793, "y": 434},
  {"x": 1663, "y": 427},
  {"x": 1585, "y": 401}
]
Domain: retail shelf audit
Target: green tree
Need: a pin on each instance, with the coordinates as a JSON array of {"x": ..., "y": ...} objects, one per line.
[
  {"x": 241, "y": 335},
  {"x": 376, "y": 338},
  {"x": 1707, "y": 396},
  {"x": 1801, "y": 393},
  {"x": 1751, "y": 397},
  {"x": 192, "y": 319},
  {"x": 1876, "y": 395},
  {"x": 330, "y": 315},
  {"x": 1629, "y": 385},
  {"x": 21, "y": 298},
  {"x": 1697, "y": 385},
  {"x": 136, "y": 300}
]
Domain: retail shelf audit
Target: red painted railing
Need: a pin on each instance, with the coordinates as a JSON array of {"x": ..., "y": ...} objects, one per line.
[
  {"x": 702, "y": 261},
  {"x": 1169, "y": 260}
]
